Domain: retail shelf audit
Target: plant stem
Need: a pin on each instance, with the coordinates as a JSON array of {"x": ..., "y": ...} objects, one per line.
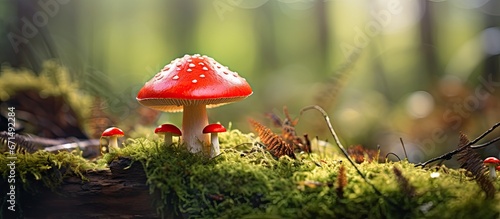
[{"x": 337, "y": 141}]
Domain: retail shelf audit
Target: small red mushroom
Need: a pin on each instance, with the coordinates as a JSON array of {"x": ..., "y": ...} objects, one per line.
[
  {"x": 168, "y": 130},
  {"x": 214, "y": 129},
  {"x": 491, "y": 163},
  {"x": 113, "y": 133},
  {"x": 191, "y": 84}
]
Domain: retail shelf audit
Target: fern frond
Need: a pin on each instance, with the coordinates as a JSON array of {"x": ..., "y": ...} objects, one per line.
[
  {"x": 274, "y": 143},
  {"x": 23, "y": 144},
  {"x": 472, "y": 162},
  {"x": 330, "y": 90},
  {"x": 288, "y": 133}
]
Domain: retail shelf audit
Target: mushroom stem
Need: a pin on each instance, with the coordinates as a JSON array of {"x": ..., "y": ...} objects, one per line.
[
  {"x": 168, "y": 139},
  {"x": 194, "y": 119},
  {"x": 493, "y": 173},
  {"x": 113, "y": 143},
  {"x": 215, "y": 150}
]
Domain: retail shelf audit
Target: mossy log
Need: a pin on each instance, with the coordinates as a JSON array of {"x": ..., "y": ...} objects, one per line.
[
  {"x": 247, "y": 183},
  {"x": 120, "y": 192}
]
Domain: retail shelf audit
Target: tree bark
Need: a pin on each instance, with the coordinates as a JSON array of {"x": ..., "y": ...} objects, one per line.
[{"x": 113, "y": 193}]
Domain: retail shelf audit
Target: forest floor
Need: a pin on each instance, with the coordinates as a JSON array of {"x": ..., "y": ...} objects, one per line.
[{"x": 247, "y": 181}]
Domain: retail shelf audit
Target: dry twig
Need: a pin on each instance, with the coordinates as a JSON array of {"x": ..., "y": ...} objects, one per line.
[{"x": 450, "y": 154}]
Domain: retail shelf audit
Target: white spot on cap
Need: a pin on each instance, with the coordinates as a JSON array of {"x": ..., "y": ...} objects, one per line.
[
  {"x": 196, "y": 55},
  {"x": 191, "y": 65},
  {"x": 204, "y": 56},
  {"x": 189, "y": 70},
  {"x": 202, "y": 76},
  {"x": 178, "y": 64},
  {"x": 205, "y": 68},
  {"x": 176, "y": 77},
  {"x": 194, "y": 81},
  {"x": 189, "y": 60},
  {"x": 201, "y": 63},
  {"x": 158, "y": 76},
  {"x": 178, "y": 69},
  {"x": 186, "y": 56}
]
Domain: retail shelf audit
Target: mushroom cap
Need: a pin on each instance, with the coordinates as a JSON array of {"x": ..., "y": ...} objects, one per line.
[
  {"x": 112, "y": 131},
  {"x": 193, "y": 80},
  {"x": 491, "y": 161},
  {"x": 168, "y": 128},
  {"x": 214, "y": 128}
]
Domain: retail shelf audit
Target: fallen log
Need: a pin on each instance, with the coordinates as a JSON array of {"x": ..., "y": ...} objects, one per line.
[{"x": 120, "y": 192}]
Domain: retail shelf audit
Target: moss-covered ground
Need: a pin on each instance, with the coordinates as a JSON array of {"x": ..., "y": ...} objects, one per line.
[{"x": 245, "y": 181}]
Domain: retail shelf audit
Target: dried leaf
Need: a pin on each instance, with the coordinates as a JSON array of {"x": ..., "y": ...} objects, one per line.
[
  {"x": 359, "y": 153},
  {"x": 341, "y": 181},
  {"x": 288, "y": 133}
]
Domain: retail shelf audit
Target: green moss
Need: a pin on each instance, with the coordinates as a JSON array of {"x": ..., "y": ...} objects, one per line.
[
  {"x": 250, "y": 183},
  {"x": 254, "y": 184},
  {"x": 47, "y": 167},
  {"x": 53, "y": 80}
]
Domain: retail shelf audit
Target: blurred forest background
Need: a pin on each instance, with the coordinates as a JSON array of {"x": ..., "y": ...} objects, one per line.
[{"x": 387, "y": 69}]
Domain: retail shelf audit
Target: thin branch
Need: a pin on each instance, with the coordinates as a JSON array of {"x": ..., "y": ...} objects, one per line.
[
  {"x": 404, "y": 148},
  {"x": 337, "y": 141},
  {"x": 485, "y": 144},
  {"x": 332, "y": 131},
  {"x": 79, "y": 144},
  {"x": 450, "y": 154},
  {"x": 393, "y": 154}
]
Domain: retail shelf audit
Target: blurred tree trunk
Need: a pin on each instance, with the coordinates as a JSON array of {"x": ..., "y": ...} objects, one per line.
[
  {"x": 428, "y": 45},
  {"x": 492, "y": 62},
  {"x": 379, "y": 75},
  {"x": 492, "y": 67},
  {"x": 264, "y": 31},
  {"x": 324, "y": 34},
  {"x": 33, "y": 44},
  {"x": 183, "y": 16}
]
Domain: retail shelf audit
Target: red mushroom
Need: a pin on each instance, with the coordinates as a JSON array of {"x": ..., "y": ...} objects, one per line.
[
  {"x": 168, "y": 130},
  {"x": 113, "y": 133},
  {"x": 191, "y": 84},
  {"x": 213, "y": 129},
  {"x": 491, "y": 163}
]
